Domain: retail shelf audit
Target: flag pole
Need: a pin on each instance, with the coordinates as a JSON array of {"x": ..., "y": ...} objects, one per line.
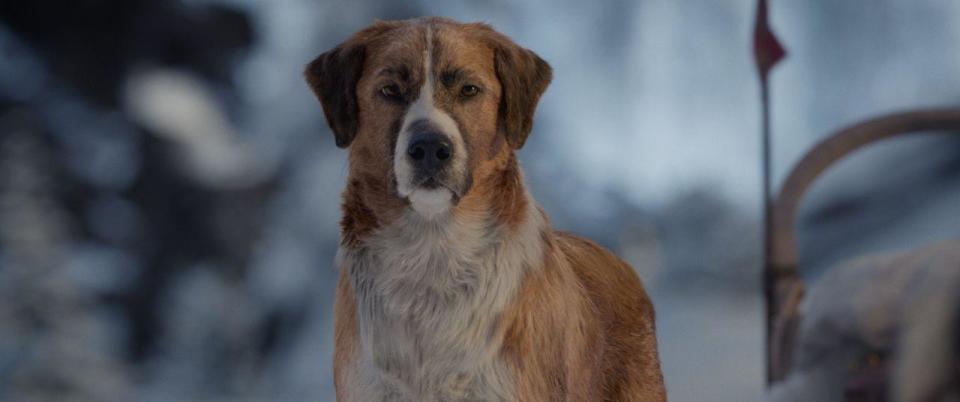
[
  {"x": 769, "y": 277},
  {"x": 766, "y": 168},
  {"x": 767, "y": 52}
]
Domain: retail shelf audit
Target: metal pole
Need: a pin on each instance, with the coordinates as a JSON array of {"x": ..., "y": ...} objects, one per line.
[{"x": 769, "y": 278}]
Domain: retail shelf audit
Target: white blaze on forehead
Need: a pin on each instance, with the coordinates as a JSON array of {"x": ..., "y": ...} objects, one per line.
[{"x": 429, "y": 202}]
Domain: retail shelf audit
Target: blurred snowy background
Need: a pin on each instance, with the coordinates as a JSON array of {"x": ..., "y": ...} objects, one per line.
[{"x": 169, "y": 190}]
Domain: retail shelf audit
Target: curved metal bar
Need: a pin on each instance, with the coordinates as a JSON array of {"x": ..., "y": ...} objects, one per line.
[{"x": 835, "y": 147}]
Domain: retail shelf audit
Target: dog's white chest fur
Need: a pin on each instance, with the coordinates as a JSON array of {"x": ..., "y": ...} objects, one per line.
[{"x": 429, "y": 297}]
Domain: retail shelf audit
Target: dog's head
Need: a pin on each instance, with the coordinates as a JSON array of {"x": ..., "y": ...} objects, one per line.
[{"x": 429, "y": 109}]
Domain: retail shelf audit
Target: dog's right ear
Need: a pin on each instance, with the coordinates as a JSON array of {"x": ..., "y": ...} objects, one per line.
[{"x": 333, "y": 76}]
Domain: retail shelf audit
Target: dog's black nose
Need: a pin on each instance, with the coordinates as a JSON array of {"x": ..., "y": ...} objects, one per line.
[{"x": 429, "y": 152}]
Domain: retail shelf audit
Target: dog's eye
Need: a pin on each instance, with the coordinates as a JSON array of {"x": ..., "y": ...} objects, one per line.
[
  {"x": 391, "y": 91},
  {"x": 469, "y": 91}
]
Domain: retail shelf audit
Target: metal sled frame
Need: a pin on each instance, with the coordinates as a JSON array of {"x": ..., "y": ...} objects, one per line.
[{"x": 783, "y": 286}]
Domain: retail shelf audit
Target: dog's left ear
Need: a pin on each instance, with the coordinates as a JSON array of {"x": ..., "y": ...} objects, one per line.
[{"x": 523, "y": 77}]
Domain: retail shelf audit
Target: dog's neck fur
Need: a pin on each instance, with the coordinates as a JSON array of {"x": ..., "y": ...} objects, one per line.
[{"x": 430, "y": 294}]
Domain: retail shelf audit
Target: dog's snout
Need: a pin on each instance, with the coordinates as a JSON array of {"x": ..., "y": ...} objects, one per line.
[{"x": 429, "y": 151}]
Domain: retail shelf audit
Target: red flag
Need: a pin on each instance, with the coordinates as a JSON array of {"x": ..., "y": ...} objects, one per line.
[{"x": 766, "y": 48}]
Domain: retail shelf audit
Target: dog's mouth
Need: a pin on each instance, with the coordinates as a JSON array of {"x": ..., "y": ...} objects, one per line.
[
  {"x": 437, "y": 183},
  {"x": 430, "y": 183}
]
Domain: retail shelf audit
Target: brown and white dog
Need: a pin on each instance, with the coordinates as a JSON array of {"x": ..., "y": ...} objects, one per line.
[{"x": 453, "y": 286}]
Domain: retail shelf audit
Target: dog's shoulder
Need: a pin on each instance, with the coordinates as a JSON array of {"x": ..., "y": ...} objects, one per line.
[
  {"x": 630, "y": 364},
  {"x": 612, "y": 283}
]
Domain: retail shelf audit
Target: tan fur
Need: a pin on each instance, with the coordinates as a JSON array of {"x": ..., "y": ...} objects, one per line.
[
  {"x": 630, "y": 366},
  {"x": 346, "y": 334},
  {"x": 580, "y": 326},
  {"x": 582, "y": 329}
]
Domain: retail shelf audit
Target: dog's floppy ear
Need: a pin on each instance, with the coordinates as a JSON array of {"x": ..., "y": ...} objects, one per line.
[
  {"x": 523, "y": 77},
  {"x": 333, "y": 76}
]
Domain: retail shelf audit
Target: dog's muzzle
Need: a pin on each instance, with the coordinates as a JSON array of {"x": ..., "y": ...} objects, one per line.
[
  {"x": 430, "y": 153},
  {"x": 431, "y": 165}
]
